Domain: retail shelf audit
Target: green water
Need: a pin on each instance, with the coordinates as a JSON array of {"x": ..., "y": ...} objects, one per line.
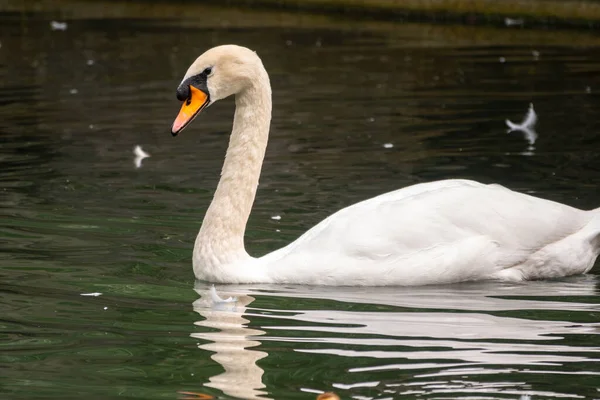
[{"x": 77, "y": 217}]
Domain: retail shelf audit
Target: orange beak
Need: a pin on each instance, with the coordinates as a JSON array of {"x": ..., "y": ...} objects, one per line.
[{"x": 190, "y": 108}]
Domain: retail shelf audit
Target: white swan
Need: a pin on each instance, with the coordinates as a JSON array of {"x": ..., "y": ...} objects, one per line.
[{"x": 438, "y": 232}]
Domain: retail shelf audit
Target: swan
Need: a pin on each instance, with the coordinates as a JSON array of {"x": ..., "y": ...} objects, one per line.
[{"x": 430, "y": 233}]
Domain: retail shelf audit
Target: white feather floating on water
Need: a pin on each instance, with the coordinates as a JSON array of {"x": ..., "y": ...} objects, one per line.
[
  {"x": 139, "y": 156},
  {"x": 513, "y": 21},
  {"x": 95, "y": 294},
  {"x": 526, "y": 126},
  {"x": 58, "y": 26},
  {"x": 217, "y": 299}
]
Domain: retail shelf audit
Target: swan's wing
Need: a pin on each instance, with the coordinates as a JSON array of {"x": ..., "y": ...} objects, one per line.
[{"x": 457, "y": 229}]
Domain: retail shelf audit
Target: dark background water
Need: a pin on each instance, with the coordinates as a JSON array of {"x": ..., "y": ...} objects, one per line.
[{"x": 78, "y": 217}]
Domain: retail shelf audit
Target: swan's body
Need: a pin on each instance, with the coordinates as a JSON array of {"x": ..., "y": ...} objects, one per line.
[{"x": 439, "y": 232}]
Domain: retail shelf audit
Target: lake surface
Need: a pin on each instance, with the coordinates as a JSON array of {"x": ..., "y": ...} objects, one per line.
[{"x": 360, "y": 108}]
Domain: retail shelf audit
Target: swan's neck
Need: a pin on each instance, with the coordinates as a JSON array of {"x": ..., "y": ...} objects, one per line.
[{"x": 221, "y": 237}]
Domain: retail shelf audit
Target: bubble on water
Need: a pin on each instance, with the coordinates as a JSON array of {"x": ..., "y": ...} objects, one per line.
[{"x": 388, "y": 145}]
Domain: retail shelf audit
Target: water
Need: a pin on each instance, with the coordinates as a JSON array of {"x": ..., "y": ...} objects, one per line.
[{"x": 78, "y": 217}]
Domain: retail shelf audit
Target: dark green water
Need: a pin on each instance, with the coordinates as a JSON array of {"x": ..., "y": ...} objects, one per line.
[{"x": 77, "y": 217}]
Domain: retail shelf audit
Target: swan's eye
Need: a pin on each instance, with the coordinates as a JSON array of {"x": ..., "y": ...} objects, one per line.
[{"x": 207, "y": 71}]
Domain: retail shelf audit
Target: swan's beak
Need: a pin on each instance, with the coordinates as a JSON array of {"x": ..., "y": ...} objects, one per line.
[{"x": 190, "y": 108}]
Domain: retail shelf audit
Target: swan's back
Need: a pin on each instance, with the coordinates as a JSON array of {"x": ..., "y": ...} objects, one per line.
[{"x": 439, "y": 232}]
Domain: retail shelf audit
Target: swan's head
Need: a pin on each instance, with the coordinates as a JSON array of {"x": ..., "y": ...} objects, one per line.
[{"x": 216, "y": 74}]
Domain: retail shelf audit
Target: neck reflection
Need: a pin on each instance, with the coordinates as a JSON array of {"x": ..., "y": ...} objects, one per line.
[{"x": 231, "y": 342}]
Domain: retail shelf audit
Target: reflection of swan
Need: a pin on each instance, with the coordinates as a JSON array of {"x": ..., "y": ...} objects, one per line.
[
  {"x": 439, "y": 232},
  {"x": 231, "y": 345},
  {"x": 473, "y": 335},
  {"x": 473, "y": 296},
  {"x": 463, "y": 331}
]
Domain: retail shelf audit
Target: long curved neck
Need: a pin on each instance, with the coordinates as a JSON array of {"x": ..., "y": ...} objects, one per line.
[{"x": 221, "y": 237}]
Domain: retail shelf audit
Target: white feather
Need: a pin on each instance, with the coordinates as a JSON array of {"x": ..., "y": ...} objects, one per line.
[
  {"x": 139, "y": 156},
  {"x": 217, "y": 299},
  {"x": 527, "y": 126}
]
